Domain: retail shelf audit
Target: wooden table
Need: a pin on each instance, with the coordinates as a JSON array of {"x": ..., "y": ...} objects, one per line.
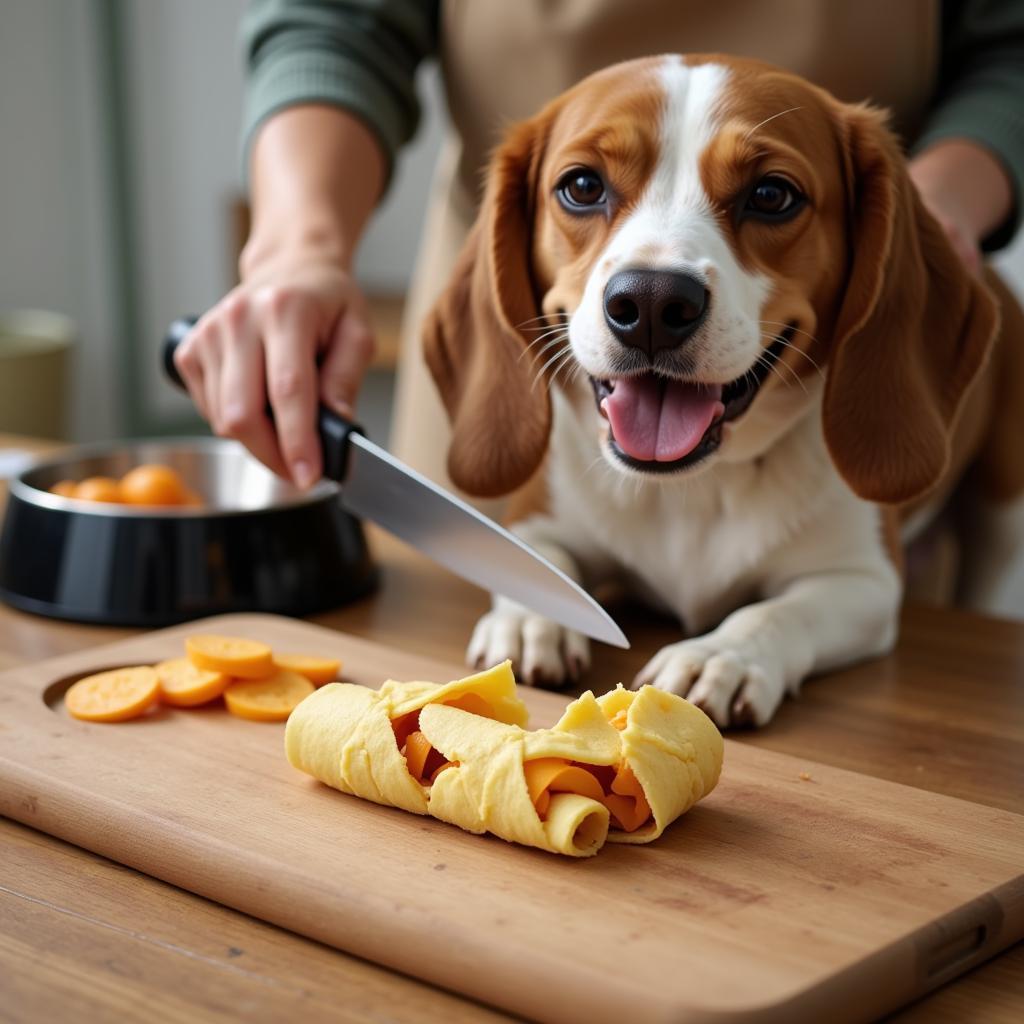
[{"x": 84, "y": 938}]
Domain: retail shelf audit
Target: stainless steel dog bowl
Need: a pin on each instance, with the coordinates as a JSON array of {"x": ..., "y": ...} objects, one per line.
[{"x": 257, "y": 544}]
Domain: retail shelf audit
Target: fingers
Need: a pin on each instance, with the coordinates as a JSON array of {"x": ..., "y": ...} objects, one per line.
[
  {"x": 346, "y": 360},
  {"x": 261, "y": 343},
  {"x": 190, "y": 367},
  {"x": 289, "y": 343},
  {"x": 242, "y": 399}
]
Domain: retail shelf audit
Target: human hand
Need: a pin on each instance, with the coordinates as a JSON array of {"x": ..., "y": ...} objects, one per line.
[
  {"x": 296, "y": 332},
  {"x": 966, "y": 189},
  {"x": 958, "y": 230}
]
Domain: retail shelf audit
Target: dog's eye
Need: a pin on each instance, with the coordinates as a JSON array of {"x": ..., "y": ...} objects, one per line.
[
  {"x": 773, "y": 197},
  {"x": 581, "y": 188}
]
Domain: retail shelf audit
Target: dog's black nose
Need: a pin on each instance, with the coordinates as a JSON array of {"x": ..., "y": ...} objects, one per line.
[{"x": 654, "y": 309}]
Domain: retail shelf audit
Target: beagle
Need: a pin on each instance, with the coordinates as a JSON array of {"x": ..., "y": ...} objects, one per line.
[{"x": 705, "y": 329}]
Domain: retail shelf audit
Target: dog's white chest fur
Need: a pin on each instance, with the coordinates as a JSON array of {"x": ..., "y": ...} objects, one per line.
[{"x": 703, "y": 545}]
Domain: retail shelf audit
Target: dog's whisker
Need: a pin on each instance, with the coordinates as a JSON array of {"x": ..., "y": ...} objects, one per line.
[
  {"x": 544, "y": 327},
  {"x": 774, "y": 366},
  {"x": 554, "y": 359},
  {"x": 536, "y": 355},
  {"x": 566, "y": 361},
  {"x": 547, "y": 334},
  {"x": 800, "y": 351},
  {"x": 789, "y": 327},
  {"x": 767, "y": 119},
  {"x": 789, "y": 344},
  {"x": 543, "y": 316},
  {"x": 771, "y": 338}
]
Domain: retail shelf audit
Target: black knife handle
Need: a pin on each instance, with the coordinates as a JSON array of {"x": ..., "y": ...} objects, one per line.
[{"x": 334, "y": 430}]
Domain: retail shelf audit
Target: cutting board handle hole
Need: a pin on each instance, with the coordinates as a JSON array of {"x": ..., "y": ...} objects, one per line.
[
  {"x": 955, "y": 951},
  {"x": 53, "y": 695}
]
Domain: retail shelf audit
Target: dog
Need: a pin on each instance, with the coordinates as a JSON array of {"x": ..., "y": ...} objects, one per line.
[{"x": 706, "y": 332}]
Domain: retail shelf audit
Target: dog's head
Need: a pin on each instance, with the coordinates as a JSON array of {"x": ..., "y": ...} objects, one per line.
[{"x": 694, "y": 248}]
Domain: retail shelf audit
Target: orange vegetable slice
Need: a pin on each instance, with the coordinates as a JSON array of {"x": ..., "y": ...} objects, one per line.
[
  {"x": 404, "y": 726},
  {"x": 318, "y": 671},
  {"x": 267, "y": 700},
  {"x": 473, "y": 703},
  {"x": 65, "y": 488},
  {"x": 153, "y": 485},
  {"x": 417, "y": 747},
  {"x": 114, "y": 696},
  {"x": 233, "y": 655},
  {"x": 627, "y": 800},
  {"x": 422, "y": 760},
  {"x": 547, "y": 775},
  {"x": 185, "y": 686},
  {"x": 99, "y": 488}
]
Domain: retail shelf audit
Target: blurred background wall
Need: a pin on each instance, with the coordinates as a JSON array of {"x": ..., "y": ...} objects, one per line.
[{"x": 119, "y": 186}]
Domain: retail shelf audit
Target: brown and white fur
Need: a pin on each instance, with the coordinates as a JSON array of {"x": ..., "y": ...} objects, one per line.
[{"x": 778, "y": 550}]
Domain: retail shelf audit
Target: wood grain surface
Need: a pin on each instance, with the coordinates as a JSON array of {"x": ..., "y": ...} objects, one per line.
[
  {"x": 952, "y": 672},
  {"x": 794, "y": 888}
]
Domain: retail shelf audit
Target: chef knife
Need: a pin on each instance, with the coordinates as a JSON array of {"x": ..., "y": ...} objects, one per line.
[{"x": 375, "y": 485}]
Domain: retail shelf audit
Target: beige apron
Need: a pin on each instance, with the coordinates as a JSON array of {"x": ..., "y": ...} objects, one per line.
[{"x": 503, "y": 59}]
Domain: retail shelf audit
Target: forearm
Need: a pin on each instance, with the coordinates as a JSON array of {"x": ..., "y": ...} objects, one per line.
[{"x": 316, "y": 175}]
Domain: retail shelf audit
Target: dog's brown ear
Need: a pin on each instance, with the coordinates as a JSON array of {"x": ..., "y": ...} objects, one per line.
[
  {"x": 913, "y": 330},
  {"x": 473, "y": 338}
]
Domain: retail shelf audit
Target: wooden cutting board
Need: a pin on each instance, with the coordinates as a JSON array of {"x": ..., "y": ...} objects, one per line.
[{"x": 795, "y": 891}]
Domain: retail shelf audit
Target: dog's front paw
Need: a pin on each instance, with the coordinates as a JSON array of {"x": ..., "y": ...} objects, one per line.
[
  {"x": 731, "y": 686},
  {"x": 542, "y": 652}
]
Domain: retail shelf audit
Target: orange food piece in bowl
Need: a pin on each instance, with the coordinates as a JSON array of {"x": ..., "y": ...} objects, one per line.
[
  {"x": 114, "y": 696},
  {"x": 185, "y": 686},
  {"x": 99, "y": 488},
  {"x": 65, "y": 488},
  {"x": 233, "y": 655},
  {"x": 267, "y": 700},
  {"x": 318, "y": 671},
  {"x": 153, "y": 485}
]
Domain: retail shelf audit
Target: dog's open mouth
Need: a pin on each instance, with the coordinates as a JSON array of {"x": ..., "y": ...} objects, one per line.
[{"x": 659, "y": 424}]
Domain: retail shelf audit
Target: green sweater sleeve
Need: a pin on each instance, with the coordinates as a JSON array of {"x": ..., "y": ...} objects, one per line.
[
  {"x": 361, "y": 55},
  {"x": 981, "y": 91}
]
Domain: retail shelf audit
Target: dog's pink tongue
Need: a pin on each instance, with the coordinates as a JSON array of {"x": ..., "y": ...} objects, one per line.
[{"x": 660, "y": 421}]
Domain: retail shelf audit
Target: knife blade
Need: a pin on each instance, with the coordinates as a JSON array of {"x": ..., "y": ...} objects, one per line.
[{"x": 375, "y": 485}]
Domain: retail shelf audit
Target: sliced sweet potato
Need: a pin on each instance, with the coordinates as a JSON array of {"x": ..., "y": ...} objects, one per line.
[
  {"x": 185, "y": 686},
  {"x": 114, "y": 696},
  {"x": 318, "y": 671},
  {"x": 423, "y": 761},
  {"x": 267, "y": 700},
  {"x": 473, "y": 703},
  {"x": 232, "y": 655},
  {"x": 627, "y": 801}
]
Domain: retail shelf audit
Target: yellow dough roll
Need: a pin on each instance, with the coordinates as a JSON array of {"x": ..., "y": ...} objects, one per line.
[
  {"x": 618, "y": 768},
  {"x": 342, "y": 734},
  {"x": 485, "y": 789},
  {"x": 672, "y": 747}
]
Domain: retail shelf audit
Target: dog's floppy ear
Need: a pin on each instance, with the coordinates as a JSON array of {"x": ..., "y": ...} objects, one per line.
[
  {"x": 473, "y": 340},
  {"x": 913, "y": 331}
]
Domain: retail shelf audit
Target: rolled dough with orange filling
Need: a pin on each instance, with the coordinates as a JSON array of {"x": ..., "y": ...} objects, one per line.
[
  {"x": 342, "y": 734},
  {"x": 618, "y": 768}
]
